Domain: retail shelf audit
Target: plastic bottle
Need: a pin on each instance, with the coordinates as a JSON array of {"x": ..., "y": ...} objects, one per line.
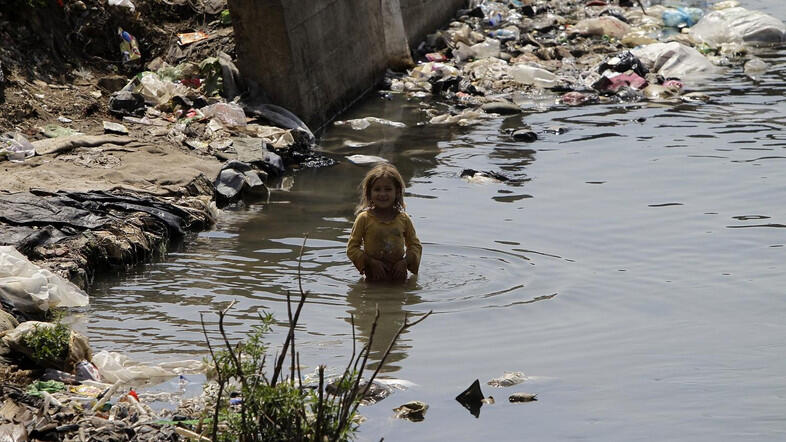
[
  {"x": 489, "y": 48},
  {"x": 527, "y": 74}
]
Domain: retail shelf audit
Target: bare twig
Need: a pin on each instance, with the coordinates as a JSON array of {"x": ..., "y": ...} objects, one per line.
[
  {"x": 642, "y": 6},
  {"x": 292, "y": 322},
  {"x": 219, "y": 375}
]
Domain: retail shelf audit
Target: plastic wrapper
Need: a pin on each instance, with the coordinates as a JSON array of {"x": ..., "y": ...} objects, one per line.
[{"x": 34, "y": 290}]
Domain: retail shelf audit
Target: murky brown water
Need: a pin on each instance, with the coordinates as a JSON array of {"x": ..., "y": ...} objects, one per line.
[{"x": 635, "y": 270}]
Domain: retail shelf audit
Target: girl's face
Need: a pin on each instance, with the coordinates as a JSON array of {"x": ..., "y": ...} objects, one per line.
[{"x": 383, "y": 193}]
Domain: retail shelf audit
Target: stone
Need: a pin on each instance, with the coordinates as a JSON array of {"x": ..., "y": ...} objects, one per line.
[
  {"x": 525, "y": 135},
  {"x": 112, "y": 83},
  {"x": 501, "y": 107}
]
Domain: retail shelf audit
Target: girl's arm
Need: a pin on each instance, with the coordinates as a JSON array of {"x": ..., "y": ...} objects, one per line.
[
  {"x": 414, "y": 249},
  {"x": 354, "y": 250}
]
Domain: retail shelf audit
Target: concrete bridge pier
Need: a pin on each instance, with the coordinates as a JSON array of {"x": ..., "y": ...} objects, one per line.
[{"x": 316, "y": 57}]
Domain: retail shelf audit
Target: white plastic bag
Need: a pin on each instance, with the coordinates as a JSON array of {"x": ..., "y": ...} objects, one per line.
[
  {"x": 362, "y": 123},
  {"x": 732, "y": 25},
  {"x": 117, "y": 367},
  {"x": 15, "y": 147},
  {"x": 159, "y": 91},
  {"x": 674, "y": 59},
  {"x": 229, "y": 114},
  {"x": 124, "y": 3},
  {"x": 31, "y": 289}
]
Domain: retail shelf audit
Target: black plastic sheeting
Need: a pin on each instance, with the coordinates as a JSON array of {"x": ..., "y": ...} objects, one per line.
[{"x": 36, "y": 218}]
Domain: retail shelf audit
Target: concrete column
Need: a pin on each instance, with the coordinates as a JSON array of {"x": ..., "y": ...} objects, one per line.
[{"x": 315, "y": 57}]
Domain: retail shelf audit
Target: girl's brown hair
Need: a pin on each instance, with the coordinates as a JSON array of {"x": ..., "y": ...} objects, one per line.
[{"x": 381, "y": 171}]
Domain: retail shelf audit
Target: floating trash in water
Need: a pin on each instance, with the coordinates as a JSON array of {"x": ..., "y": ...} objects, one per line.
[
  {"x": 523, "y": 397},
  {"x": 508, "y": 379},
  {"x": 414, "y": 411},
  {"x": 364, "y": 160},
  {"x": 362, "y": 123}
]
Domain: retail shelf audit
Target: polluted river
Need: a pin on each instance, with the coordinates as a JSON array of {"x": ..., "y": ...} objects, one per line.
[{"x": 630, "y": 267}]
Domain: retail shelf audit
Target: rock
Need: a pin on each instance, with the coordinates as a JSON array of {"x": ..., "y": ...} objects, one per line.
[
  {"x": 501, "y": 107},
  {"x": 527, "y": 136},
  {"x": 114, "y": 128},
  {"x": 523, "y": 397},
  {"x": 7, "y": 321},
  {"x": 112, "y": 83},
  {"x": 414, "y": 411},
  {"x": 235, "y": 180}
]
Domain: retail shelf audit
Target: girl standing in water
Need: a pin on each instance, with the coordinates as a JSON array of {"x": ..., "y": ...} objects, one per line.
[{"x": 383, "y": 244}]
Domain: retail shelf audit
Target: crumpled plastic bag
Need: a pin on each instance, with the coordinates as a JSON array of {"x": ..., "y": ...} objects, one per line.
[
  {"x": 734, "y": 25},
  {"x": 15, "y": 147},
  {"x": 124, "y": 3},
  {"x": 362, "y": 123},
  {"x": 674, "y": 59},
  {"x": 158, "y": 91},
  {"x": 116, "y": 367},
  {"x": 78, "y": 345},
  {"x": 229, "y": 114},
  {"x": 31, "y": 289},
  {"x": 487, "y": 69}
]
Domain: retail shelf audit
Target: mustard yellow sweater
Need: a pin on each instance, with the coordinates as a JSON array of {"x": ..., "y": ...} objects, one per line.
[{"x": 384, "y": 240}]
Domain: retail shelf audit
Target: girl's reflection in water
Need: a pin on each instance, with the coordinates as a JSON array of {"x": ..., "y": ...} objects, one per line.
[{"x": 391, "y": 299}]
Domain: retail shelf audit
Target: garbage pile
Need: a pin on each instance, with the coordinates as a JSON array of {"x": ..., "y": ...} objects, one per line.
[
  {"x": 520, "y": 52},
  {"x": 80, "y": 396}
]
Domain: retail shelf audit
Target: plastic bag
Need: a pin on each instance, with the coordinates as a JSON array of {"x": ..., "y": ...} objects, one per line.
[
  {"x": 158, "y": 91},
  {"x": 674, "y": 60},
  {"x": 681, "y": 17},
  {"x": 738, "y": 24},
  {"x": 362, "y": 123},
  {"x": 15, "y": 147},
  {"x": 229, "y": 114},
  {"x": 124, "y": 3},
  {"x": 116, "y": 367},
  {"x": 31, "y": 289}
]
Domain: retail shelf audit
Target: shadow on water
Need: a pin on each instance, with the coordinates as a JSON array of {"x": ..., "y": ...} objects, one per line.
[{"x": 390, "y": 301}]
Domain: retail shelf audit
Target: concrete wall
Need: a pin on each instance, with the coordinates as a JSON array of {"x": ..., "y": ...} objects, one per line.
[{"x": 315, "y": 57}]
